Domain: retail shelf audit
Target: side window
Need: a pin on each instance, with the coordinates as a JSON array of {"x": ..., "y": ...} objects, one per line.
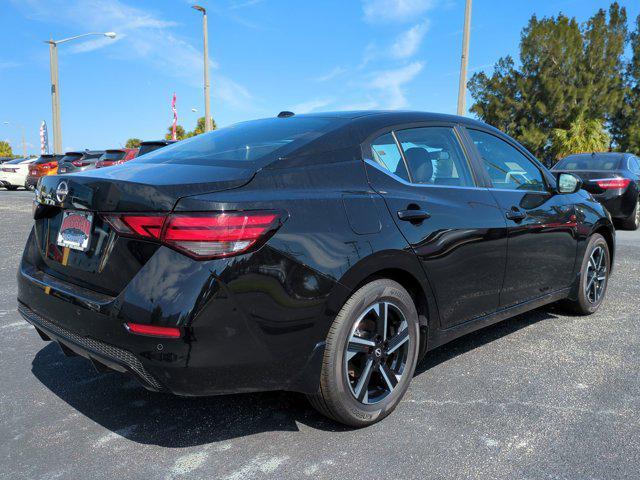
[
  {"x": 385, "y": 152},
  {"x": 634, "y": 165},
  {"x": 435, "y": 157},
  {"x": 508, "y": 168}
]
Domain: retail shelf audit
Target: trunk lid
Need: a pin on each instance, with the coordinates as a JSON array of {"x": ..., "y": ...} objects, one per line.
[
  {"x": 110, "y": 261},
  {"x": 137, "y": 187}
]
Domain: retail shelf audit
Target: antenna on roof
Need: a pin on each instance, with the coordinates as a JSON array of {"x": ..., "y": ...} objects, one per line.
[{"x": 285, "y": 114}]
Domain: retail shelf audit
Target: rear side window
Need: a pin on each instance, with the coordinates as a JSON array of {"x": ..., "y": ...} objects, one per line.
[
  {"x": 245, "y": 143},
  {"x": 435, "y": 157},
  {"x": 385, "y": 152},
  {"x": 634, "y": 164},
  {"x": 508, "y": 168}
]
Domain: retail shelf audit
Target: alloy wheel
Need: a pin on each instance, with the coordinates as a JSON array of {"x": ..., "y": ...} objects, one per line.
[
  {"x": 377, "y": 352},
  {"x": 596, "y": 275}
]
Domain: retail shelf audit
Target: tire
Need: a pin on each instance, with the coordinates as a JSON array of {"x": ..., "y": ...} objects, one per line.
[
  {"x": 355, "y": 341},
  {"x": 633, "y": 222},
  {"x": 586, "y": 303},
  {"x": 31, "y": 188},
  {"x": 11, "y": 188}
]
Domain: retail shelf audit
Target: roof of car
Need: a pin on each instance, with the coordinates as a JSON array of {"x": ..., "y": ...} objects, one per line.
[
  {"x": 157, "y": 142},
  {"x": 395, "y": 116}
]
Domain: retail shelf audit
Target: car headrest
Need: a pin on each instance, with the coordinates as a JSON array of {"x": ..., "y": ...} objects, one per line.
[{"x": 420, "y": 164}]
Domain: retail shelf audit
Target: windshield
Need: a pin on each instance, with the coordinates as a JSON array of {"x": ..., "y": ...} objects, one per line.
[
  {"x": 113, "y": 156},
  {"x": 70, "y": 157},
  {"x": 245, "y": 142},
  {"x": 149, "y": 147},
  {"x": 588, "y": 162}
]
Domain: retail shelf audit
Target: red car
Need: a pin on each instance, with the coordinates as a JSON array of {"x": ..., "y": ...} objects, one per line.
[{"x": 116, "y": 157}]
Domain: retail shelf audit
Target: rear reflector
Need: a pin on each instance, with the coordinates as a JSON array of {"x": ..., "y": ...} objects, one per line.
[
  {"x": 613, "y": 183},
  {"x": 152, "y": 330},
  {"x": 201, "y": 235}
]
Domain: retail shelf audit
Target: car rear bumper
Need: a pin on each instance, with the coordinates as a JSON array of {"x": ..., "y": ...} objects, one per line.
[
  {"x": 619, "y": 205},
  {"x": 101, "y": 354},
  {"x": 31, "y": 181},
  {"x": 231, "y": 342}
]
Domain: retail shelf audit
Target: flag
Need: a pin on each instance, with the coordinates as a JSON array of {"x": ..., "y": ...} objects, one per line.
[
  {"x": 44, "y": 138},
  {"x": 175, "y": 117}
]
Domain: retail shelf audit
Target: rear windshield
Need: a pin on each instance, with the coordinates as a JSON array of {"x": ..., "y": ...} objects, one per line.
[
  {"x": 113, "y": 156},
  {"x": 89, "y": 155},
  {"x": 47, "y": 160},
  {"x": 70, "y": 158},
  {"x": 246, "y": 143},
  {"x": 598, "y": 162},
  {"x": 150, "y": 147},
  {"x": 16, "y": 161}
]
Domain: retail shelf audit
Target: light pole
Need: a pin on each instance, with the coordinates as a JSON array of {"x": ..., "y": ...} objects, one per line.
[
  {"x": 462, "y": 88},
  {"x": 24, "y": 143},
  {"x": 55, "y": 85},
  {"x": 207, "y": 107}
]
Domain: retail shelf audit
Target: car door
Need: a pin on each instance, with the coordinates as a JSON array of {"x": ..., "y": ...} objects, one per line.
[
  {"x": 452, "y": 222},
  {"x": 542, "y": 226}
]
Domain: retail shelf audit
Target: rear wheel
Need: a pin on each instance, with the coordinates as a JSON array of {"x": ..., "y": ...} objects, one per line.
[
  {"x": 370, "y": 355},
  {"x": 633, "y": 222},
  {"x": 11, "y": 188},
  {"x": 594, "y": 277}
]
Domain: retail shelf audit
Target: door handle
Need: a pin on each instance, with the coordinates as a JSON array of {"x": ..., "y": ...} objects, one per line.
[
  {"x": 515, "y": 214},
  {"x": 413, "y": 215}
]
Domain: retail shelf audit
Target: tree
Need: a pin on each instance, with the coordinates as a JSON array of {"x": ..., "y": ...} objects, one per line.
[
  {"x": 626, "y": 125},
  {"x": 5, "y": 149},
  {"x": 133, "y": 143},
  {"x": 566, "y": 72},
  {"x": 180, "y": 133},
  {"x": 582, "y": 136}
]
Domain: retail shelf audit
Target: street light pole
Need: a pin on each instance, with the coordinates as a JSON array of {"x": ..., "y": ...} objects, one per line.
[
  {"x": 462, "y": 87},
  {"x": 207, "y": 107},
  {"x": 55, "y": 86}
]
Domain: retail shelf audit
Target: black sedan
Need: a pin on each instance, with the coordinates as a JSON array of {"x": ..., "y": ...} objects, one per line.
[
  {"x": 613, "y": 179},
  {"x": 323, "y": 254}
]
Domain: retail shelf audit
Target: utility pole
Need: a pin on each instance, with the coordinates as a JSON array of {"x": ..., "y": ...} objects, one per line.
[
  {"x": 462, "y": 88},
  {"x": 55, "y": 98},
  {"x": 207, "y": 107},
  {"x": 55, "y": 84}
]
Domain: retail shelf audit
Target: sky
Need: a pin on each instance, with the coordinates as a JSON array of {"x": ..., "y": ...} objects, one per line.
[{"x": 265, "y": 56}]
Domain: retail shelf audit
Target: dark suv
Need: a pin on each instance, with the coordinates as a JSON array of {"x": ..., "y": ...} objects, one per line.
[
  {"x": 324, "y": 254},
  {"x": 79, "y": 161}
]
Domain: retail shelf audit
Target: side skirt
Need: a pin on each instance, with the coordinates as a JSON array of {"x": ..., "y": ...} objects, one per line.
[{"x": 439, "y": 336}]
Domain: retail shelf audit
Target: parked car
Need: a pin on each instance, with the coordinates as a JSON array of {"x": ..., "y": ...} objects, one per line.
[
  {"x": 613, "y": 179},
  {"x": 149, "y": 146},
  {"x": 116, "y": 157},
  {"x": 46, "y": 164},
  {"x": 5, "y": 159},
  {"x": 321, "y": 253},
  {"x": 13, "y": 174},
  {"x": 79, "y": 161}
]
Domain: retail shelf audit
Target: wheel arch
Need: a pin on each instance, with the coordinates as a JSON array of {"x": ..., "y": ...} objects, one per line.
[{"x": 401, "y": 267}]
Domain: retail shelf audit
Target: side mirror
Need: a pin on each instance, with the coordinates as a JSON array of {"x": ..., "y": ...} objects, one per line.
[{"x": 568, "y": 183}]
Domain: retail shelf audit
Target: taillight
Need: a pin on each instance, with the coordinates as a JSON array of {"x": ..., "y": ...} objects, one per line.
[
  {"x": 79, "y": 163},
  {"x": 48, "y": 165},
  {"x": 152, "y": 330},
  {"x": 613, "y": 183},
  {"x": 202, "y": 235}
]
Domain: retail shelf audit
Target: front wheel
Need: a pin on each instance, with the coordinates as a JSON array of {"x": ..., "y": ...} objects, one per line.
[
  {"x": 594, "y": 276},
  {"x": 370, "y": 355}
]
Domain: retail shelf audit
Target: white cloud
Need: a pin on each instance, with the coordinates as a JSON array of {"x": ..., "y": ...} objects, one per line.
[
  {"x": 389, "y": 84},
  {"x": 407, "y": 43},
  {"x": 311, "y": 105},
  {"x": 381, "y": 11},
  {"x": 142, "y": 36},
  {"x": 333, "y": 73}
]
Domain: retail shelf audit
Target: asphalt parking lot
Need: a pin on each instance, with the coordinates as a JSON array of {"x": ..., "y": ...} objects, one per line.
[{"x": 540, "y": 396}]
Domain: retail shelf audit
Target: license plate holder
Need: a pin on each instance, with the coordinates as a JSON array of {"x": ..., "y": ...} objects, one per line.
[{"x": 75, "y": 230}]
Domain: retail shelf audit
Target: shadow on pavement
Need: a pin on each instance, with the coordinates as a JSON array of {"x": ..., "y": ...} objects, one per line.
[{"x": 120, "y": 404}]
